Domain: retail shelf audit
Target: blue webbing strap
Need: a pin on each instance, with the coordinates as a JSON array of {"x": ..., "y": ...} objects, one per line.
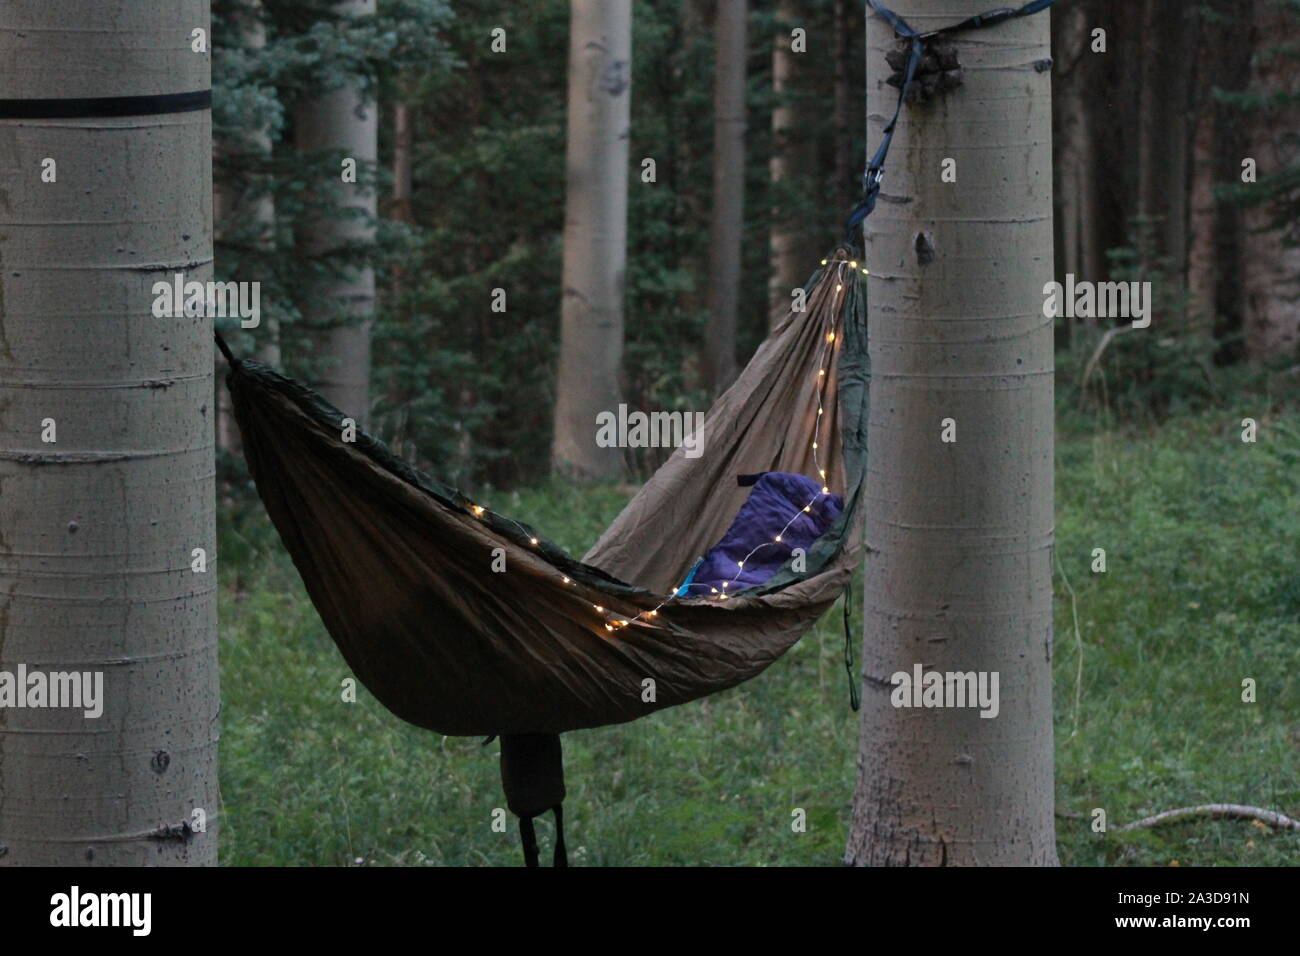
[{"x": 876, "y": 168}]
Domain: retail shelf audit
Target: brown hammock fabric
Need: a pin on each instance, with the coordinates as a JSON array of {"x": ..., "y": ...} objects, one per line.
[{"x": 399, "y": 566}]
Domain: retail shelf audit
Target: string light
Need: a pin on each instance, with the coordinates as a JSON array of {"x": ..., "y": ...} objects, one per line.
[{"x": 820, "y": 385}]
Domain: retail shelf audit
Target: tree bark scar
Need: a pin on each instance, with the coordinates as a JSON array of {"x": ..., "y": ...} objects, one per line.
[
  {"x": 180, "y": 832},
  {"x": 924, "y": 243},
  {"x": 614, "y": 78}
]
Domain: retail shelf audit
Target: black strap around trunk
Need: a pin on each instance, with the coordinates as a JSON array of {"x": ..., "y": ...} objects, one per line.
[{"x": 103, "y": 107}]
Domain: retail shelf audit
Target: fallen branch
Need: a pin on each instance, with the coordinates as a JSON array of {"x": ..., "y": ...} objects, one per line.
[{"x": 1237, "y": 810}]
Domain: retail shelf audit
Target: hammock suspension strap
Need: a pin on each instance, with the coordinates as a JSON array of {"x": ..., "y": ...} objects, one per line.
[
  {"x": 532, "y": 775},
  {"x": 876, "y": 167}
]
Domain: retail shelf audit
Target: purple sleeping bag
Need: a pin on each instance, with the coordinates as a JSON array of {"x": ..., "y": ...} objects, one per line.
[{"x": 776, "y": 499}]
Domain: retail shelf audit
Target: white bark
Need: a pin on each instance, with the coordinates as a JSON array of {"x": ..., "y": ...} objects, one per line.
[
  {"x": 97, "y": 528},
  {"x": 595, "y": 236},
  {"x": 959, "y": 535},
  {"x": 341, "y": 120}
]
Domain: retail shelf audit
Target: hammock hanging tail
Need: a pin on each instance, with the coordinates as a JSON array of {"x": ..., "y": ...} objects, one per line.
[{"x": 399, "y": 566}]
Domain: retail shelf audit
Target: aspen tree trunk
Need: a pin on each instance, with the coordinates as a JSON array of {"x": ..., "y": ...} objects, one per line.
[
  {"x": 595, "y": 236},
  {"x": 959, "y": 534},
  {"x": 1271, "y": 269},
  {"x": 727, "y": 220},
  {"x": 98, "y": 526},
  {"x": 340, "y": 120},
  {"x": 789, "y": 261}
]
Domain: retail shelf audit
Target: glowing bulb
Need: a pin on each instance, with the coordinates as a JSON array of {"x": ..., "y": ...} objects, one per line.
[
  {"x": 609, "y": 627},
  {"x": 477, "y": 509},
  {"x": 838, "y": 287},
  {"x": 651, "y": 613},
  {"x": 807, "y": 508},
  {"x": 821, "y": 411},
  {"x": 814, "y": 445},
  {"x": 599, "y": 609},
  {"x": 532, "y": 540},
  {"x": 822, "y": 472},
  {"x": 566, "y": 579},
  {"x": 778, "y": 539},
  {"x": 823, "y": 262},
  {"x": 830, "y": 337},
  {"x": 726, "y": 583},
  {"x": 825, "y": 490},
  {"x": 866, "y": 272},
  {"x": 853, "y": 265},
  {"x": 714, "y": 590},
  {"x": 739, "y": 564},
  {"x": 821, "y": 371}
]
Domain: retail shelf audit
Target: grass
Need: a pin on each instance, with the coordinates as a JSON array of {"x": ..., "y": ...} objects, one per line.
[{"x": 1201, "y": 590}]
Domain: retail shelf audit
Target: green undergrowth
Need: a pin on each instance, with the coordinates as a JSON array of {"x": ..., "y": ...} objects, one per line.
[{"x": 1201, "y": 591}]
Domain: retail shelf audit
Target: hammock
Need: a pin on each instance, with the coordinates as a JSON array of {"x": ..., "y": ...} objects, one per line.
[{"x": 399, "y": 565}]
